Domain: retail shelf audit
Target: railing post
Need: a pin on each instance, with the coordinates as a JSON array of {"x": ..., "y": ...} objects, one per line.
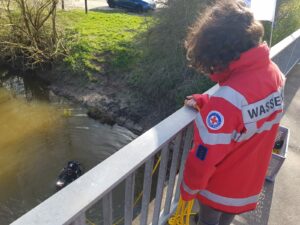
[
  {"x": 160, "y": 184},
  {"x": 146, "y": 191},
  {"x": 172, "y": 174},
  {"x": 186, "y": 148},
  {"x": 107, "y": 209},
  {"x": 129, "y": 195}
]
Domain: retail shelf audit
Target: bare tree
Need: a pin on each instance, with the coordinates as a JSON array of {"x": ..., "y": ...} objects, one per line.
[{"x": 28, "y": 34}]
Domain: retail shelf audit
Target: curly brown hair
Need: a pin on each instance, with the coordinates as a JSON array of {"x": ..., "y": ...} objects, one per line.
[{"x": 220, "y": 35}]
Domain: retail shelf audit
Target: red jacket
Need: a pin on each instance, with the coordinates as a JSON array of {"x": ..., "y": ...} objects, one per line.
[{"x": 234, "y": 134}]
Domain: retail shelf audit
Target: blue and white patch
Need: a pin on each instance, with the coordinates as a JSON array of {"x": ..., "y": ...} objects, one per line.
[
  {"x": 214, "y": 120},
  {"x": 201, "y": 152}
]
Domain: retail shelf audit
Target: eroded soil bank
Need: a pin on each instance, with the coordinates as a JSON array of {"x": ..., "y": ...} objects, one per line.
[{"x": 108, "y": 100}]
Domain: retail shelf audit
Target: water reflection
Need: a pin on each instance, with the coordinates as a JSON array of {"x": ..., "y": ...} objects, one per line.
[
  {"x": 38, "y": 138},
  {"x": 28, "y": 87}
]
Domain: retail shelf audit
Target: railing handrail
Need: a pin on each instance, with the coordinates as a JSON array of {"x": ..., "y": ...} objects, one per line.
[
  {"x": 67, "y": 204},
  {"x": 290, "y": 61},
  {"x": 83, "y": 192},
  {"x": 276, "y": 49}
]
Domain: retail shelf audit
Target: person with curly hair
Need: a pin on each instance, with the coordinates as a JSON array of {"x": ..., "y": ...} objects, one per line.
[{"x": 236, "y": 126}]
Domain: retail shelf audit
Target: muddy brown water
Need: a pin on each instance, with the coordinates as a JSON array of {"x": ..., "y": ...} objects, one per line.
[{"x": 39, "y": 133}]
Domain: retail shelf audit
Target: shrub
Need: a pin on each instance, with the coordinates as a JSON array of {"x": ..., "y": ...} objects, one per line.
[
  {"x": 287, "y": 19},
  {"x": 28, "y": 34},
  {"x": 162, "y": 72}
]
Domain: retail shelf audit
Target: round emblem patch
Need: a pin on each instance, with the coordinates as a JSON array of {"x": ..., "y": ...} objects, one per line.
[{"x": 214, "y": 120}]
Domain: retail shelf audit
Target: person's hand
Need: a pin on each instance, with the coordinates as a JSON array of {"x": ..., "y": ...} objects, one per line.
[{"x": 190, "y": 102}]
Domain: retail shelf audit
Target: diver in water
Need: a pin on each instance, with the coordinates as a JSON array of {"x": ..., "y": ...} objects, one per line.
[{"x": 68, "y": 174}]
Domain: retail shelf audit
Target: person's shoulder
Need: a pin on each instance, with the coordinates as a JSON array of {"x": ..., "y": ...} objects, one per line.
[{"x": 230, "y": 95}]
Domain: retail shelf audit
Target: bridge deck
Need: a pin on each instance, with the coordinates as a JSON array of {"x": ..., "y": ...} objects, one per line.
[{"x": 286, "y": 198}]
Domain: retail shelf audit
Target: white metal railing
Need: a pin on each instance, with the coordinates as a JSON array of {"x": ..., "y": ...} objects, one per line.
[
  {"x": 69, "y": 205},
  {"x": 286, "y": 53}
]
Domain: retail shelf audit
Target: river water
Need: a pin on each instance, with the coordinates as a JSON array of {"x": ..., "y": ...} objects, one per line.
[{"x": 39, "y": 133}]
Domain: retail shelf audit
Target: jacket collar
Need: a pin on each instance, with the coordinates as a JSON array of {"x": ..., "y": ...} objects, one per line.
[{"x": 253, "y": 58}]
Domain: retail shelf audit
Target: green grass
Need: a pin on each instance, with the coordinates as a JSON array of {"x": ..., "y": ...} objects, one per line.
[
  {"x": 162, "y": 75},
  {"x": 102, "y": 42},
  {"x": 287, "y": 19}
]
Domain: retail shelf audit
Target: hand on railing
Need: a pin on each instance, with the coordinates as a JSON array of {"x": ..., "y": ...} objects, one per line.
[
  {"x": 190, "y": 102},
  {"x": 196, "y": 101}
]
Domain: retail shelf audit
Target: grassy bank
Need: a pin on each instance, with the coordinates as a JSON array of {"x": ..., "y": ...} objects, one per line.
[
  {"x": 148, "y": 50},
  {"x": 102, "y": 42},
  {"x": 287, "y": 19},
  {"x": 168, "y": 79}
]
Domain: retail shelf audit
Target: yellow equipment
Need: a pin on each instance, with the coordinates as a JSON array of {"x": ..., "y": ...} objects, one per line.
[{"x": 182, "y": 214}]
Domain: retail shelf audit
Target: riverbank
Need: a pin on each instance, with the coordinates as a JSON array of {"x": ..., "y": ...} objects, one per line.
[
  {"x": 109, "y": 101},
  {"x": 122, "y": 67},
  {"x": 102, "y": 52}
]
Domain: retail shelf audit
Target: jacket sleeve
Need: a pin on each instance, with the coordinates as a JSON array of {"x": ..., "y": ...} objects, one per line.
[
  {"x": 215, "y": 130},
  {"x": 201, "y": 99}
]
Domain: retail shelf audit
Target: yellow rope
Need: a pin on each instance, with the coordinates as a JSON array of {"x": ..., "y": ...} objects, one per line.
[
  {"x": 140, "y": 194},
  {"x": 89, "y": 222},
  {"x": 182, "y": 214},
  {"x": 119, "y": 221}
]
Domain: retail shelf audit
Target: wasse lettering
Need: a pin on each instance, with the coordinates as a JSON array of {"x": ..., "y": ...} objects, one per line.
[
  {"x": 263, "y": 108},
  {"x": 258, "y": 111}
]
